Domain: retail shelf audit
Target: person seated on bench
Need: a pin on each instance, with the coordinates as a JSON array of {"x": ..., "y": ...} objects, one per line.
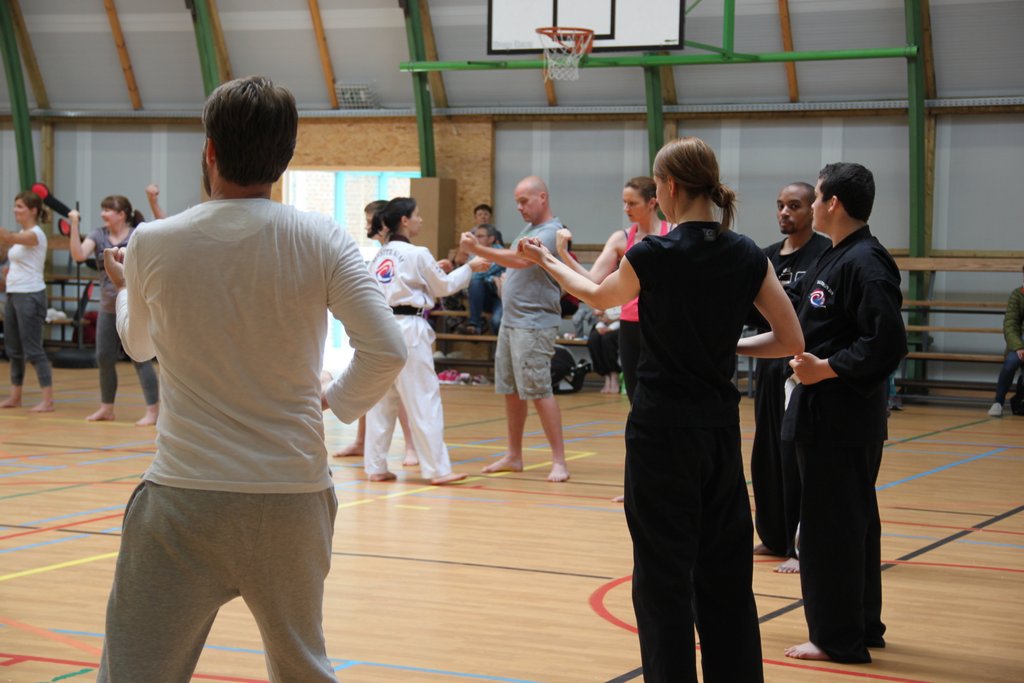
[
  {"x": 1013, "y": 330},
  {"x": 484, "y": 295}
]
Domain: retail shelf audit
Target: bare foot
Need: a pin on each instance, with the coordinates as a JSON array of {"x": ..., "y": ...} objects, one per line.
[
  {"x": 410, "y": 459},
  {"x": 11, "y": 403},
  {"x": 447, "y": 479},
  {"x": 509, "y": 463},
  {"x": 619, "y": 499},
  {"x": 790, "y": 566},
  {"x": 104, "y": 414},
  {"x": 42, "y": 407},
  {"x": 382, "y": 476},
  {"x": 807, "y": 650},
  {"x": 559, "y": 473},
  {"x": 762, "y": 549},
  {"x": 149, "y": 419},
  {"x": 354, "y": 450}
]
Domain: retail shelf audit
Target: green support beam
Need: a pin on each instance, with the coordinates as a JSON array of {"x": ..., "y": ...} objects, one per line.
[
  {"x": 207, "y": 48},
  {"x": 728, "y": 26},
  {"x": 19, "y": 98},
  {"x": 918, "y": 285},
  {"x": 421, "y": 88},
  {"x": 655, "y": 115},
  {"x": 592, "y": 61}
]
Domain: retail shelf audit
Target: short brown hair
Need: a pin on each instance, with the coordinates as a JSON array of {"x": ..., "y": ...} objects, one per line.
[
  {"x": 253, "y": 125},
  {"x": 34, "y": 202}
]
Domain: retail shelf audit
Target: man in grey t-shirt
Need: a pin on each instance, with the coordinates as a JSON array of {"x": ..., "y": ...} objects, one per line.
[{"x": 529, "y": 326}]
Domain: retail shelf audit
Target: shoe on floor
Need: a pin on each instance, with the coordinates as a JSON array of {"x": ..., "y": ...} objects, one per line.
[{"x": 996, "y": 410}]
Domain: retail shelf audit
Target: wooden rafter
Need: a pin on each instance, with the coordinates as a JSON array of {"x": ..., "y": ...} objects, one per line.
[
  {"x": 122, "y": 53},
  {"x": 549, "y": 90},
  {"x": 930, "y": 91},
  {"x": 325, "y": 55},
  {"x": 219, "y": 44},
  {"x": 436, "y": 79},
  {"x": 28, "y": 55},
  {"x": 787, "y": 45}
]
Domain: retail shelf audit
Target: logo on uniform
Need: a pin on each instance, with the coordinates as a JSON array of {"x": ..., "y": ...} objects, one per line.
[
  {"x": 385, "y": 271},
  {"x": 817, "y": 298}
]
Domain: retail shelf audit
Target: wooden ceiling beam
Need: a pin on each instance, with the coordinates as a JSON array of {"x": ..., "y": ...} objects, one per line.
[
  {"x": 325, "y": 55},
  {"x": 549, "y": 90},
  {"x": 787, "y": 46},
  {"x": 28, "y": 56},
  {"x": 122, "y": 53},
  {"x": 435, "y": 78},
  {"x": 219, "y": 44}
]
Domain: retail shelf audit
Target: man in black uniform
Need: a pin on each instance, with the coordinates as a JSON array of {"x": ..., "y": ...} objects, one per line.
[
  {"x": 849, "y": 310},
  {"x": 773, "y": 470}
]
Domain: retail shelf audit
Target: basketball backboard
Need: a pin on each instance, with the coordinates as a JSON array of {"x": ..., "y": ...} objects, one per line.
[{"x": 617, "y": 24}]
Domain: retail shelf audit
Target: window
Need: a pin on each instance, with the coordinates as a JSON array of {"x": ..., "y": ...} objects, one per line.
[{"x": 343, "y": 194}]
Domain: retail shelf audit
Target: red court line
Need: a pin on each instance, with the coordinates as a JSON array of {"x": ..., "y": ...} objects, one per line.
[
  {"x": 597, "y": 604},
  {"x": 18, "y": 659},
  {"x": 61, "y": 526},
  {"x": 22, "y": 482},
  {"x": 985, "y": 530},
  {"x": 50, "y": 635},
  {"x": 955, "y": 566},
  {"x": 843, "y": 672},
  {"x": 498, "y": 489}
]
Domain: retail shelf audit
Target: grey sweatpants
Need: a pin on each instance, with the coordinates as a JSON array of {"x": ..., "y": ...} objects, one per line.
[
  {"x": 24, "y": 315},
  {"x": 185, "y": 553},
  {"x": 108, "y": 348}
]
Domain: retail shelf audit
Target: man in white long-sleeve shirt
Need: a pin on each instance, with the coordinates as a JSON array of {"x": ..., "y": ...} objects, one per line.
[{"x": 230, "y": 296}]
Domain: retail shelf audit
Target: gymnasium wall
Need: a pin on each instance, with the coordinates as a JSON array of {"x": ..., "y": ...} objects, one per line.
[{"x": 978, "y": 166}]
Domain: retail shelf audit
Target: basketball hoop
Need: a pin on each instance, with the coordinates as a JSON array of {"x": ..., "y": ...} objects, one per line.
[{"x": 564, "y": 47}]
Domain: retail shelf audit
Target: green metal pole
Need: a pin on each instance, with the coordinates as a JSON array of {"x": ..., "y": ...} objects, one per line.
[
  {"x": 421, "y": 89},
  {"x": 19, "y": 99},
  {"x": 728, "y": 25},
  {"x": 204, "y": 43},
  {"x": 671, "y": 60},
  {"x": 655, "y": 115},
  {"x": 917, "y": 287}
]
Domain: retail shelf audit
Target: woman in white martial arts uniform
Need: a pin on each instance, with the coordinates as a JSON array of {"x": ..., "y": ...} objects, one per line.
[{"x": 412, "y": 280}]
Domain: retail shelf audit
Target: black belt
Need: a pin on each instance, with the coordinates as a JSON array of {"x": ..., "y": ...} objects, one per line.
[{"x": 407, "y": 310}]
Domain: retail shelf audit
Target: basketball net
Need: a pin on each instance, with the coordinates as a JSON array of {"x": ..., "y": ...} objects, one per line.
[{"x": 563, "y": 49}]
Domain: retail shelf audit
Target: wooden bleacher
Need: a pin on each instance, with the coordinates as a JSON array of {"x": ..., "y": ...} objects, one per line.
[{"x": 920, "y": 329}]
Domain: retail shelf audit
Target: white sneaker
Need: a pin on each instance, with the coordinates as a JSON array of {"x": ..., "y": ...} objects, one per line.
[{"x": 996, "y": 410}]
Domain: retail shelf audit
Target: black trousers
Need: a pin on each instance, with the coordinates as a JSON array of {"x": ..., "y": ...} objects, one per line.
[
  {"x": 773, "y": 468},
  {"x": 689, "y": 517},
  {"x": 631, "y": 342},
  {"x": 604, "y": 351},
  {"x": 840, "y": 548}
]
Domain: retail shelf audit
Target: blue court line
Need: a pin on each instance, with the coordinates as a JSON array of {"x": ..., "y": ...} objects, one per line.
[
  {"x": 440, "y": 672},
  {"x": 973, "y": 443},
  {"x": 118, "y": 457},
  {"x": 618, "y": 511},
  {"x": 32, "y": 470},
  {"x": 65, "y": 539},
  {"x": 341, "y": 663},
  {"x": 75, "y": 514},
  {"x": 938, "y": 469}
]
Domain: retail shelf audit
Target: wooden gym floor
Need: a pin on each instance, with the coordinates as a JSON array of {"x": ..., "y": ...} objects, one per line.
[{"x": 507, "y": 577}]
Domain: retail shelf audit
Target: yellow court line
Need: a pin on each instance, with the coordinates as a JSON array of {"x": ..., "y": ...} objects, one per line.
[
  {"x": 62, "y": 565},
  {"x": 414, "y": 507}
]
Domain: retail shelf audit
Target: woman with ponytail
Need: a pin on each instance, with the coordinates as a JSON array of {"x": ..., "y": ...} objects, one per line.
[
  {"x": 412, "y": 281},
  {"x": 25, "y": 307},
  {"x": 686, "y": 498},
  {"x": 119, "y": 222}
]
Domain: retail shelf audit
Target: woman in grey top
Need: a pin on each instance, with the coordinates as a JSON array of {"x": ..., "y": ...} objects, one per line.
[{"x": 119, "y": 221}]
